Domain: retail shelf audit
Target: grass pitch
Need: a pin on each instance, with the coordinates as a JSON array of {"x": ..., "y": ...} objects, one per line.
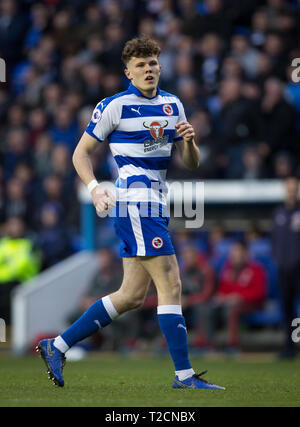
[{"x": 111, "y": 381}]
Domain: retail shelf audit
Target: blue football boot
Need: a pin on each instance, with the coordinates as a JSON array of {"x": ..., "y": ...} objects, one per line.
[
  {"x": 54, "y": 360},
  {"x": 196, "y": 382}
]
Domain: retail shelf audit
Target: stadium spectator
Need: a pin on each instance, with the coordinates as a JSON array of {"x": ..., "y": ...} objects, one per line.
[
  {"x": 239, "y": 125},
  {"x": 283, "y": 165},
  {"x": 286, "y": 241},
  {"x": 16, "y": 203},
  {"x": 17, "y": 150},
  {"x": 259, "y": 27},
  {"x": 244, "y": 53},
  {"x": 241, "y": 289},
  {"x": 208, "y": 61},
  {"x": 198, "y": 284},
  {"x": 53, "y": 237},
  {"x": 42, "y": 156},
  {"x": 19, "y": 261},
  {"x": 219, "y": 245},
  {"x": 64, "y": 129},
  {"x": 252, "y": 163},
  {"x": 37, "y": 121},
  {"x": 13, "y": 27},
  {"x": 278, "y": 120}
]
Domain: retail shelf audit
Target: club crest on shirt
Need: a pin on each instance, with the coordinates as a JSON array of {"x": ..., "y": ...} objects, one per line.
[
  {"x": 157, "y": 242},
  {"x": 168, "y": 109},
  {"x": 156, "y": 129}
]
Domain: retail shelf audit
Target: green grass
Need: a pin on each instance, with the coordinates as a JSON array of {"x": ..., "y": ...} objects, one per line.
[{"x": 109, "y": 380}]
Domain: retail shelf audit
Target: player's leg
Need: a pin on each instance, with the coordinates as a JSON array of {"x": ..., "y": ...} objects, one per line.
[
  {"x": 134, "y": 288},
  {"x": 165, "y": 273},
  {"x": 100, "y": 314}
]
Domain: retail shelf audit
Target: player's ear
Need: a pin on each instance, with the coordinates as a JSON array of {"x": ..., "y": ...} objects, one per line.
[{"x": 127, "y": 73}]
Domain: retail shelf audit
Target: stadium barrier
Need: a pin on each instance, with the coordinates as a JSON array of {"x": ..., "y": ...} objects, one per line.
[{"x": 42, "y": 305}]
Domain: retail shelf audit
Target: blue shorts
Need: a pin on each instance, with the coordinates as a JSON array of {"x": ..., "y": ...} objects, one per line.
[{"x": 143, "y": 232}]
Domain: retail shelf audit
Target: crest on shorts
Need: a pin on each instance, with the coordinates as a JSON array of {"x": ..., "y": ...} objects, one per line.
[
  {"x": 157, "y": 242},
  {"x": 168, "y": 109}
]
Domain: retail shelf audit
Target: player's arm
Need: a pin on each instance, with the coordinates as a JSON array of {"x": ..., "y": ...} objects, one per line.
[
  {"x": 187, "y": 147},
  {"x": 102, "y": 199}
]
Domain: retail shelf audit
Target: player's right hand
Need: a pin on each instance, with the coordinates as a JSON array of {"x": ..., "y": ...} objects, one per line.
[{"x": 103, "y": 199}]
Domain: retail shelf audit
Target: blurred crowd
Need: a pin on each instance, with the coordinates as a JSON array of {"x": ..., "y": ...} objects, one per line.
[{"x": 229, "y": 61}]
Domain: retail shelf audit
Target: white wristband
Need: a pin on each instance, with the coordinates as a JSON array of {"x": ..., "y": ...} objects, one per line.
[{"x": 91, "y": 185}]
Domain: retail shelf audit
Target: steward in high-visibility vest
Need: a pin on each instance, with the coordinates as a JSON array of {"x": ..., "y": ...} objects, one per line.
[{"x": 19, "y": 261}]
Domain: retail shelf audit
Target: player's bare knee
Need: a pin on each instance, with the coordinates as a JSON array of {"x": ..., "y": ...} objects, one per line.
[
  {"x": 135, "y": 301},
  {"x": 131, "y": 300}
]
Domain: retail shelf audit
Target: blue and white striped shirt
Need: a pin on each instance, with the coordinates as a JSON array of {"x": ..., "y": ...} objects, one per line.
[{"x": 140, "y": 132}]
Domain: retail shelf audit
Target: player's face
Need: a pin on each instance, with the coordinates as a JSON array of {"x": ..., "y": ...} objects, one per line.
[{"x": 144, "y": 74}]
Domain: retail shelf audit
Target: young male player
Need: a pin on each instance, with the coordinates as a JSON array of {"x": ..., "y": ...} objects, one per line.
[{"x": 140, "y": 125}]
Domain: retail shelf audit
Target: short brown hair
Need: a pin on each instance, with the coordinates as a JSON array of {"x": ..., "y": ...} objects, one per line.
[{"x": 140, "y": 47}]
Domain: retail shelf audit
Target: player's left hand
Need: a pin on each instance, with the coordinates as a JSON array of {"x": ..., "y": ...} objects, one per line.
[{"x": 185, "y": 130}]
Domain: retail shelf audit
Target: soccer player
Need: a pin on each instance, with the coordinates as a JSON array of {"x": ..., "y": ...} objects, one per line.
[{"x": 141, "y": 124}]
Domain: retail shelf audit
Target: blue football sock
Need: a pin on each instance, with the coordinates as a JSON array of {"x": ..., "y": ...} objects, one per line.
[
  {"x": 172, "y": 325},
  {"x": 100, "y": 314}
]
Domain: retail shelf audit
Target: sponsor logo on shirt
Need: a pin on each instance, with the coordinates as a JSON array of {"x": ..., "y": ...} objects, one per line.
[{"x": 156, "y": 129}]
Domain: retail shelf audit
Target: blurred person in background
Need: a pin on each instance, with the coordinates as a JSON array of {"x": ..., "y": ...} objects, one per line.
[
  {"x": 61, "y": 166},
  {"x": 19, "y": 261},
  {"x": 16, "y": 200},
  {"x": 39, "y": 15},
  {"x": 17, "y": 150},
  {"x": 253, "y": 164},
  {"x": 259, "y": 27},
  {"x": 259, "y": 244},
  {"x": 51, "y": 190},
  {"x": 13, "y": 27},
  {"x": 278, "y": 121},
  {"x": 16, "y": 116},
  {"x": 283, "y": 165},
  {"x": 238, "y": 124},
  {"x": 52, "y": 97},
  {"x": 208, "y": 61},
  {"x": 65, "y": 128},
  {"x": 37, "y": 121},
  {"x": 286, "y": 244},
  {"x": 241, "y": 289},
  {"x": 53, "y": 238},
  {"x": 42, "y": 156},
  {"x": 219, "y": 243},
  {"x": 244, "y": 53},
  {"x": 188, "y": 90},
  {"x": 275, "y": 48},
  {"x": 198, "y": 286}
]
